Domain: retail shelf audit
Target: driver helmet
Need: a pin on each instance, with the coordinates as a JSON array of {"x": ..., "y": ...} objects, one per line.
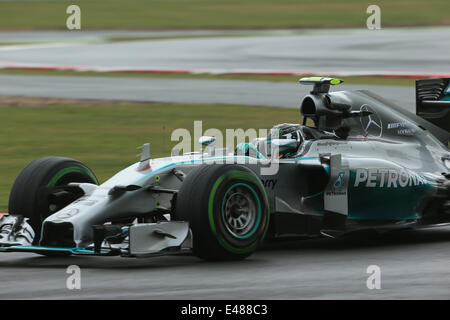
[{"x": 286, "y": 131}]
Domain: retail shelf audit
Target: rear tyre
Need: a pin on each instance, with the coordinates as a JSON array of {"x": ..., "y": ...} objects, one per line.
[
  {"x": 227, "y": 209},
  {"x": 28, "y": 196}
]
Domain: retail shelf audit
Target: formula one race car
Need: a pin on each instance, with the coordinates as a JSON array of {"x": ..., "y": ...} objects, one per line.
[{"x": 356, "y": 163}]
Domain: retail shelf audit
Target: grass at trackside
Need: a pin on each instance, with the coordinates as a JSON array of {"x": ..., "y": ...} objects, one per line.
[
  {"x": 369, "y": 80},
  {"x": 191, "y": 14},
  {"x": 106, "y": 137}
]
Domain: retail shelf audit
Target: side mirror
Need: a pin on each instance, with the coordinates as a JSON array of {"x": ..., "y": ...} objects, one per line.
[{"x": 207, "y": 141}]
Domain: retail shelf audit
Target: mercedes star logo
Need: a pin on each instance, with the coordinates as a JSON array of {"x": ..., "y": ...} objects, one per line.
[{"x": 371, "y": 124}]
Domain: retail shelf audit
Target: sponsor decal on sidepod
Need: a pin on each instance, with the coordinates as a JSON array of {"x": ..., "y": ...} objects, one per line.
[{"x": 387, "y": 178}]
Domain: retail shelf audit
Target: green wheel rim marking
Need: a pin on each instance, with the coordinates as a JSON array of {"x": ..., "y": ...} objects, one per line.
[
  {"x": 67, "y": 170},
  {"x": 258, "y": 220},
  {"x": 157, "y": 178},
  {"x": 239, "y": 175}
]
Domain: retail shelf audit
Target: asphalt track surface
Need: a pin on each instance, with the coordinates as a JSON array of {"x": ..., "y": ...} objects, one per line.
[
  {"x": 413, "y": 264},
  {"x": 261, "y": 93},
  {"x": 410, "y": 50}
]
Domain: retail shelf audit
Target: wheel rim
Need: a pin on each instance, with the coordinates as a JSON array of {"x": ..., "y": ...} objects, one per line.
[{"x": 241, "y": 211}]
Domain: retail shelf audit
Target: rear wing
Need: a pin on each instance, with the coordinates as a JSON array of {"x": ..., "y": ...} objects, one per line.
[{"x": 433, "y": 101}]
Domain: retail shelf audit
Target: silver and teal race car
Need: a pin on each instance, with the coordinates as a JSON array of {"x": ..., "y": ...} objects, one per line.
[{"x": 357, "y": 162}]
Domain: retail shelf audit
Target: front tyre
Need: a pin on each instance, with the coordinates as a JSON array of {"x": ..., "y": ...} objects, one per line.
[
  {"x": 228, "y": 211},
  {"x": 28, "y": 196}
]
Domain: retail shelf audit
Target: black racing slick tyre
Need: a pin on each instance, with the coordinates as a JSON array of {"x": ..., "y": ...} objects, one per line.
[
  {"x": 227, "y": 209},
  {"x": 28, "y": 196}
]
